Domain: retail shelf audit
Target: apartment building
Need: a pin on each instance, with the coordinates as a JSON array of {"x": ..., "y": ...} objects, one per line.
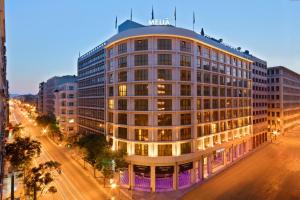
[
  {"x": 46, "y": 95},
  {"x": 259, "y": 100},
  {"x": 4, "y": 113},
  {"x": 179, "y": 103},
  {"x": 91, "y": 91},
  {"x": 65, "y": 108},
  {"x": 284, "y": 99}
]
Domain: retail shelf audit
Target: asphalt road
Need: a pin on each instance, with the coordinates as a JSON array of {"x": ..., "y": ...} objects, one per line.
[
  {"x": 74, "y": 183},
  {"x": 273, "y": 172}
]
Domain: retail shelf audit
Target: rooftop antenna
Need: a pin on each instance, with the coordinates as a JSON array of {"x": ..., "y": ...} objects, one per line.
[
  {"x": 116, "y": 22},
  {"x": 131, "y": 14}
]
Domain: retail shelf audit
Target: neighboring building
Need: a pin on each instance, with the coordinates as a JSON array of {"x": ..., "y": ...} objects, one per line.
[
  {"x": 91, "y": 104},
  {"x": 65, "y": 108},
  {"x": 40, "y": 100},
  {"x": 259, "y": 100},
  {"x": 284, "y": 99},
  {"x": 178, "y": 103},
  {"x": 4, "y": 113},
  {"x": 46, "y": 93}
]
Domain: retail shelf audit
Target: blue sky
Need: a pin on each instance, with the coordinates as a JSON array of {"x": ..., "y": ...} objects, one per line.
[{"x": 44, "y": 37}]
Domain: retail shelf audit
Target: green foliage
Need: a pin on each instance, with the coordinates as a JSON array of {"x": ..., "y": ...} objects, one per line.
[
  {"x": 40, "y": 177},
  {"x": 45, "y": 120},
  {"x": 93, "y": 145},
  {"x": 110, "y": 161},
  {"x": 50, "y": 122},
  {"x": 16, "y": 129},
  {"x": 21, "y": 152}
]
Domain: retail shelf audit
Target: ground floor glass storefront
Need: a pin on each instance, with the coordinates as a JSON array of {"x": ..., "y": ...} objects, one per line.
[{"x": 182, "y": 175}]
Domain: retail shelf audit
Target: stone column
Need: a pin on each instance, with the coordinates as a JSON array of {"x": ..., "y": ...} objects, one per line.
[
  {"x": 209, "y": 164},
  {"x": 193, "y": 173},
  {"x": 131, "y": 176},
  {"x": 152, "y": 178},
  {"x": 175, "y": 177},
  {"x": 200, "y": 169}
]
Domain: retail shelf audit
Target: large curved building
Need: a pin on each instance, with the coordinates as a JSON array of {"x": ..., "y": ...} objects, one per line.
[{"x": 178, "y": 102}]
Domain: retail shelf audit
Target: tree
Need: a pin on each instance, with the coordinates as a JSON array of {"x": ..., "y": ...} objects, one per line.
[
  {"x": 16, "y": 130},
  {"x": 110, "y": 162},
  {"x": 20, "y": 154},
  {"x": 93, "y": 145},
  {"x": 50, "y": 122},
  {"x": 45, "y": 120},
  {"x": 40, "y": 177}
]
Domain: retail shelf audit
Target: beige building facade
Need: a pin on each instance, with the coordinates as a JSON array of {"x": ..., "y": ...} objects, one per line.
[{"x": 178, "y": 103}]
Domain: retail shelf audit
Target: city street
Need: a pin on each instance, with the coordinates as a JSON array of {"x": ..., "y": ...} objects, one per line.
[
  {"x": 74, "y": 182},
  {"x": 273, "y": 172}
]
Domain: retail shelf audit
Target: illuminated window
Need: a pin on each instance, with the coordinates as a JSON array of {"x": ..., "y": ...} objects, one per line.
[
  {"x": 164, "y": 150},
  {"x": 122, "y": 90},
  {"x": 111, "y": 104},
  {"x": 164, "y": 89},
  {"x": 141, "y": 134},
  {"x": 164, "y": 104},
  {"x": 141, "y": 149},
  {"x": 164, "y": 134},
  {"x": 186, "y": 148}
]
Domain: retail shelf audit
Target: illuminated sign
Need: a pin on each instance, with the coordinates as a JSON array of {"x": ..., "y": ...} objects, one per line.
[{"x": 159, "y": 21}]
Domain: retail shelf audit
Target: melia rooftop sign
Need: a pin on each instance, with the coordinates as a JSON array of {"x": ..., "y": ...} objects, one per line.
[{"x": 159, "y": 21}]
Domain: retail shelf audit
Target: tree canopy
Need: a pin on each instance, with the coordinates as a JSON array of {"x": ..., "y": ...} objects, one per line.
[
  {"x": 21, "y": 152},
  {"x": 40, "y": 177},
  {"x": 94, "y": 146}
]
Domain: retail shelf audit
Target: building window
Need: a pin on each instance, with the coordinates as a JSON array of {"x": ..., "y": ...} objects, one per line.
[
  {"x": 164, "y": 89},
  {"x": 122, "y": 76},
  {"x": 122, "y": 62},
  {"x": 185, "y": 90},
  {"x": 164, "y": 150},
  {"x": 122, "y": 118},
  {"x": 185, "y": 133},
  {"x": 140, "y": 60},
  {"x": 122, "y": 146},
  {"x": 185, "y": 75},
  {"x": 122, "y": 48},
  {"x": 185, "y": 46},
  {"x": 141, "y": 45},
  {"x": 111, "y": 91},
  {"x": 164, "y": 74},
  {"x": 186, "y": 148},
  {"x": 122, "y": 90},
  {"x": 185, "y": 104},
  {"x": 141, "y": 149},
  {"x": 141, "y": 134},
  {"x": 164, "y": 44},
  {"x": 122, "y": 104},
  {"x": 164, "y": 119},
  {"x": 141, "y": 104},
  {"x": 110, "y": 117},
  {"x": 164, "y": 104},
  {"x": 141, "y": 119},
  {"x": 164, "y": 59},
  {"x": 185, "y": 60},
  {"x": 185, "y": 119},
  {"x": 122, "y": 133},
  {"x": 164, "y": 134},
  {"x": 111, "y": 104},
  {"x": 141, "y": 75},
  {"x": 141, "y": 90}
]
